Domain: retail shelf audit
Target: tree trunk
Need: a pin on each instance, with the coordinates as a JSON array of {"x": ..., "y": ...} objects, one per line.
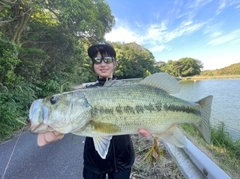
[{"x": 25, "y": 14}]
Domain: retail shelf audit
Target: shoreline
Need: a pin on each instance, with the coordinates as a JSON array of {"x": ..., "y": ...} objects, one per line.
[{"x": 208, "y": 77}]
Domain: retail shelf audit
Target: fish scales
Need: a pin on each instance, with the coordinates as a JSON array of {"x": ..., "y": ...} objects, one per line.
[
  {"x": 119, "y": 108},
  {"x": 131, "y": 109}
]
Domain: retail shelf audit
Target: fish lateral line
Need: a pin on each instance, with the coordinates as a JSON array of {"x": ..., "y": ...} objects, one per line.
[{"x": 151, "y": 107}]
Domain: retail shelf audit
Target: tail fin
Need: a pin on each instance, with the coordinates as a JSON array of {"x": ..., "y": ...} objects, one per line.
[{"x": 204, "y": 125}]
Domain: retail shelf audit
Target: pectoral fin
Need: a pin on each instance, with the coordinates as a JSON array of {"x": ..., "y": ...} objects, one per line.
[
  {"x": 173, "y": 136},
  {"x": 105, "y": 127},
  {"x": 101, "y": 145}
]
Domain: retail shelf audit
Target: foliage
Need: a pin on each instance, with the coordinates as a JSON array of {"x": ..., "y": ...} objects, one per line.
[
  {"x": 8, "y": 62},
  {"x": 224, "y": 148},
  {"x": 13, "y": 104},
  {"x": 134, "y": 61},
  {"x": 183, "y": 67},
  {"x": 50, "y": 35},
  {"x": 42, "y": 48},
  {"x": 233, "y": 69},
  {"x": 221, "y": 138},
  {"x": 190, "y": 67},
  {"x": 15, "y": 95}
]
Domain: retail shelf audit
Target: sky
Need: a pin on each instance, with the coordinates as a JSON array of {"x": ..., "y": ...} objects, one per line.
[{"x": 206, "y": 30}]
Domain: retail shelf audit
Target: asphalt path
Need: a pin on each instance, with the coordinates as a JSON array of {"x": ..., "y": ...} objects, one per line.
[{"x": 58, "y": 160}]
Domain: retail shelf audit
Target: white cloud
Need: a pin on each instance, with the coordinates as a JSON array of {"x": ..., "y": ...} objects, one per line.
[
  {"x": 212, "y": 28},
  {"x": 187, "y": 23},
  {"x": 232, "y": 37},
  {"x": 199, "y": 3},
  {"x": 156, "y": 35},
  {"x": 227, "y": 3},
  {"x": 158, "y": 48},
  {"x": 122, "y": 34},
  {"x": 194, "y": 7},
  {"x": 221, "y": 7},
  {"x": 216, "y": 34}
]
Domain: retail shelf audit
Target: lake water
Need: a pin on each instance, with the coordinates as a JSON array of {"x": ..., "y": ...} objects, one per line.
[{"x": 226, "y": 100}]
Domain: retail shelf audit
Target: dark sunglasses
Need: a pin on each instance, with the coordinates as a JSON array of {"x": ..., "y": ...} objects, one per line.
[{"x": 98, "y": 60}]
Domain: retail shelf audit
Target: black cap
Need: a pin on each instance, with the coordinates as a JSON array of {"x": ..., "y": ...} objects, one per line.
[{"x": 102, "y": 46}]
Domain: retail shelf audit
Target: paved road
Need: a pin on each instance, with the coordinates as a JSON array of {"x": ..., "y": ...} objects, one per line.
[{"x": 58, "y": 160}]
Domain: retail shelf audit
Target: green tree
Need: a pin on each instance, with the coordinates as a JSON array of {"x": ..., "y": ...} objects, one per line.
[
  {"x": 134, "y": 61},
  {"x": 190, "y": 66},
  {"x": 171, "y": 67},
  {"x": 233, "y": 69},
  {"x": 42, "y": 46},
  {"x": 51, "y": 34},
  {"x": 183, "y": 67}
]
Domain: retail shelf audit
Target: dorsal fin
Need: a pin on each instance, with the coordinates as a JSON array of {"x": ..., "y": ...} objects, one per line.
[
  {"x": 112, "y": 83},
  {"x": 163, "y": 81},
  {"x": 119, "y": 82}
]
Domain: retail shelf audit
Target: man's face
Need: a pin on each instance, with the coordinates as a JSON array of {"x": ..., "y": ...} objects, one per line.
[{"x": 104, "y": 70}]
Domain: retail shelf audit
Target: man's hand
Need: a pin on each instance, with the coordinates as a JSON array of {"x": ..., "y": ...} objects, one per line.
[
  {"x": 47, "y": 137},
  {"x": 144, "y": 132}
]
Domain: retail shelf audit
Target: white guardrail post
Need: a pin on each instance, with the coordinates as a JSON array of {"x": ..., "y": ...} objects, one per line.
[{"x": 194, "y": 164}]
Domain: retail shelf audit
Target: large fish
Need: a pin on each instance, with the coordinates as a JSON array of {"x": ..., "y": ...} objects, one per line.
[{"x": 121, "y": 108}]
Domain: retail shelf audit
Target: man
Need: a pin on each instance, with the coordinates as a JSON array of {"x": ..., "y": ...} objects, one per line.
[{"x": 120, "y": 157}]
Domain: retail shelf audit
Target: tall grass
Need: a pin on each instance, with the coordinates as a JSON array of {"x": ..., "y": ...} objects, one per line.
[
  {"x": 223, "y": 148},
  {"x": 14, "y": 103}
]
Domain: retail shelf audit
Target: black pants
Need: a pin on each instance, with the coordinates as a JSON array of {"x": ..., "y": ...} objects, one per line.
[{"x": 125, "y": 174}]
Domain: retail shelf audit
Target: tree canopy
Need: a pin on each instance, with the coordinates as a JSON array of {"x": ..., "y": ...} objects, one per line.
[
  {"x": 183, "y": 67},
  {"x": 233, "y": 69},
  {"x": 50, "y": 34},
  {"x": 42, "y": 46},
  {"x": 134, "y": 61}
]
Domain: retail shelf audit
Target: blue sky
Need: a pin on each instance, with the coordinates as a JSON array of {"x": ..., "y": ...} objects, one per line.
[{"x": 207, "y": 30}]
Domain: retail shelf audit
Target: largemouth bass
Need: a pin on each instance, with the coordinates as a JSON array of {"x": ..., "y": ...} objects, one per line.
[{"x": 120, "y": 108}]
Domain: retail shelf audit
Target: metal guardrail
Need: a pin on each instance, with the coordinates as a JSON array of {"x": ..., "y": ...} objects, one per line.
[{"x": 194, "y": 164}]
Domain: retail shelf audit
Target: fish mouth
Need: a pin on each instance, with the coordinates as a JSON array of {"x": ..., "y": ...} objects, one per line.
[
  {"x": 38, "y": 117},
  {"x": 34, "y": 108},
  {"x": 38, "y": 128}
]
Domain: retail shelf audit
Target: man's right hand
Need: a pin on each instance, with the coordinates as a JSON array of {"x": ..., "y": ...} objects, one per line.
[
  {"x": 144, "y": 132},
  {"x": 47, "y": 137}
]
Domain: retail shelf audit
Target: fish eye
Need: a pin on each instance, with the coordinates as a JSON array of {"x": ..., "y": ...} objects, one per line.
[{"x": 54, "y": 100}]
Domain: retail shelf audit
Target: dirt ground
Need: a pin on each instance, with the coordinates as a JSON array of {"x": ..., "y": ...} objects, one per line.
[{"x": 163, "y": 168}]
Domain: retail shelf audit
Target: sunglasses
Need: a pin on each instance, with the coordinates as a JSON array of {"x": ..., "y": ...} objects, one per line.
[{"x": 98, "y": 60}]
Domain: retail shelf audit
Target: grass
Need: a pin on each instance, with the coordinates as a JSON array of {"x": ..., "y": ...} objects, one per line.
[
  {"x": 223, "y": 150},
  {"x": 14, "y": 127}
]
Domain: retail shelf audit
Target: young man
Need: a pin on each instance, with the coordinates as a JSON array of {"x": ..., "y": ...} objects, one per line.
[{"x": 120, "y": 157}]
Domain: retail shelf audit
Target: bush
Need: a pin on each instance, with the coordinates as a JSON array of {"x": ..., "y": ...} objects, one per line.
[{"x": 14, "y": 104}]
